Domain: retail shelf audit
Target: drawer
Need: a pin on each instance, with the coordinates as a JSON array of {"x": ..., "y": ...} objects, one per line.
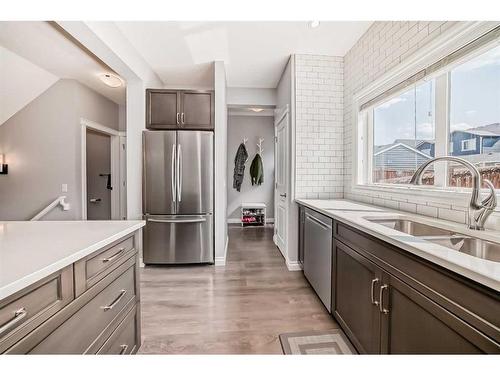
[
  {"x": 88, "y": 327},
  {"x": 94, "y": 267},
  {"x": 27, "y": 309},
  {"x": 126, "y": 338}
]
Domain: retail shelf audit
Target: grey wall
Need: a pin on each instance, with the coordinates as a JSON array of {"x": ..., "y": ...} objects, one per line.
[
  {"x": 253, "y": 128},
  {"x": 42, "y": 145}
]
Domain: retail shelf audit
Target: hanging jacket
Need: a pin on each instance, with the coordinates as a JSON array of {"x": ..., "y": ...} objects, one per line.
[
  {"x": 239, "y": 166},
  {"x": 257, "y": 170}
]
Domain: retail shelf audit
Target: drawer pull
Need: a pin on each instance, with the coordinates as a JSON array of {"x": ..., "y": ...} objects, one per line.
[
  {"x": 114, "y": 256},
  {"x": 124, "y": 349},
  {"x": 374, "y": 302},
  {"x": 117, "y": 299},
  {"x": 19, "y": 315}
]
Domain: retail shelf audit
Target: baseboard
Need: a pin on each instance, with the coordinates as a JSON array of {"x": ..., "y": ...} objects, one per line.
[
  {"x": 293, "y": 266},
  {"x": 269, "y": 220}
]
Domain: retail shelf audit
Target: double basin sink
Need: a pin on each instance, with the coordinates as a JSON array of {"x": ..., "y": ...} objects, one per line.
[{"x": 460, "y": 242}]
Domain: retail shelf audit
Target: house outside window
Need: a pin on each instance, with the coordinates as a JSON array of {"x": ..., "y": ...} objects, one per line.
[{"x": 468, "y": 144}]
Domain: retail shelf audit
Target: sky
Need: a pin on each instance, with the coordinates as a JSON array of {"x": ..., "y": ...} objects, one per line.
[{"x": 474, "y": 101}]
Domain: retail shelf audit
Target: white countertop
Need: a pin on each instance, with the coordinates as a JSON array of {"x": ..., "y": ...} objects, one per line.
[
  {"x": 32, "y": 250},
  {"x": 354, "y": 214}
]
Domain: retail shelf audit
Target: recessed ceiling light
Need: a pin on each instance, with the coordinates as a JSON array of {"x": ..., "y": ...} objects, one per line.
[
  {"x": 313, "y": 24},
  {"x": 111, "y": 80},
  {"x": 257, "y": 109}
]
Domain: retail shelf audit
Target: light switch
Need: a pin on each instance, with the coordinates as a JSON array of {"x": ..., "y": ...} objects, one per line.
[{"x": 64, "y": 188}]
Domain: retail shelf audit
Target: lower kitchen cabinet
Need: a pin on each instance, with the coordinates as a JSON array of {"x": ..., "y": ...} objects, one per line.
[
  {"x": 100, "y": 313},
  {"x": 412, "y": 323},
  {"x": 354, "y": 304},
  {"x": 380, "y": 313}
]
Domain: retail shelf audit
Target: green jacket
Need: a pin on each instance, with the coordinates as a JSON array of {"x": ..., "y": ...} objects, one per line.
[{"x": 257, "y": 170}]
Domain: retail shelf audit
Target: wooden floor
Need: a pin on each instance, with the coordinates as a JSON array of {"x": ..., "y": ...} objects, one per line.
[{"x": 237, "y": 309}]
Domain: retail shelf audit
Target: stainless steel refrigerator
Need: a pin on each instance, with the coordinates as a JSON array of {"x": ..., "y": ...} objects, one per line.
[{"x": 178, "y": 197}]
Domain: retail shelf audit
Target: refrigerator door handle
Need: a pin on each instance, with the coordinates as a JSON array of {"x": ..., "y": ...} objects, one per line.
[
  {"x": 200, "y": 220},
  {"x": 172, "y": 173},
  {"x": 179, "y": 173}
]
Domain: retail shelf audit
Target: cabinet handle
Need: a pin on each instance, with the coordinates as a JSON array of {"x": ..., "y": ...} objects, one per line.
[
  {"x": 182, "y": 117},
  {"x": 117, "y": 299},
  {"x": 124, "y": 349},
  {"x": 374, "y": 302},
  {"x": 19, "y": 315},
  {"x": 115, "y": 255},
  {"x": 381, "y": 307},
  {"x": 178, "y": 114}
]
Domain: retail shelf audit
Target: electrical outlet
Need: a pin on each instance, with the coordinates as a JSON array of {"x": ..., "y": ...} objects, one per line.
[{"x": 64, "y": 188}]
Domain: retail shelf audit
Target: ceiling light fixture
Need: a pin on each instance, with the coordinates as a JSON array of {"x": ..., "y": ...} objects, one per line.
[
  {"x": 111, "y": 80},
  {"x": 257, "y": 109},
  {"x": 314, "y": 24}
]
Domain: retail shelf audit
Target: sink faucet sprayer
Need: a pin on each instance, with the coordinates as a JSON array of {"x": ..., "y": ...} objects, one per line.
[{"x": 478, "y": 210}]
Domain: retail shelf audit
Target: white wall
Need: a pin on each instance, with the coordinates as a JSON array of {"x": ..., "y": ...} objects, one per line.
[
  {"x": 42, "y": 145},
  {"x": 220, "y": 214},
  {"x": 319, "y": 126},
  {"x": 21, "y": 81},
  {"x": 242, "y": 96},
  {"x": 253, "y": 128}
]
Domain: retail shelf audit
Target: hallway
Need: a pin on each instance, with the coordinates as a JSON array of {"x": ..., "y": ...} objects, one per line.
[{"x": 237, "y": 309}]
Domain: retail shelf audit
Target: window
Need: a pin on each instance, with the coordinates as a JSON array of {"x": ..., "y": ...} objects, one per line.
[
  {"x": 403, "y": 131},
  {"x": 469, "y": 144},
  {"x": 403, "y": 135},
  {"x": 475, "y": 118}
]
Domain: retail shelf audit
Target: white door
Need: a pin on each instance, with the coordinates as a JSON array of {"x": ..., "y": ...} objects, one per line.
[{"x": 281, "y": 181}]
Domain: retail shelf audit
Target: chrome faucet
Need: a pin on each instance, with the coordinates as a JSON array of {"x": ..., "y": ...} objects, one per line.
[{"x": 478, "y": 210}]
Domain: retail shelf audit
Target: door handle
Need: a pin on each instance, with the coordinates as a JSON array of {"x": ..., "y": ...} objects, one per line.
[
  {"x": 95, "y": 200},
  {"x": 172, "y": 177},
  {"x": 374, "y": 302},
  {"x": 283, "y": 195},
  {"x": 124, "y": 348},
  {"x": 179, "y": 221},
  {"x": 381, "y": 307},
  {"x": 182, "y": 118},
  {"x": 177, "y": 118},
  {"x": 179, "y": 173}
]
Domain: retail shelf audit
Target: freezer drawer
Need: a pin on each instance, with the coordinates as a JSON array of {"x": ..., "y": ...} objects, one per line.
[{"x": 174, "y": 239}]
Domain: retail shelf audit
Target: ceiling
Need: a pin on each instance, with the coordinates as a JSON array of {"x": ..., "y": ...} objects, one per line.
[
  {"x": 255, "y": 53},
  {"x": 48, "y": 47}
]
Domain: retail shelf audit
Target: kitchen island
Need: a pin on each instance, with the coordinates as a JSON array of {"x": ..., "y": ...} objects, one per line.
[{"x": 75, "y": 280}]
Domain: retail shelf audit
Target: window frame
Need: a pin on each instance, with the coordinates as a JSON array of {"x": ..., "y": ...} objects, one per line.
[{"x": 362, "y": 163}]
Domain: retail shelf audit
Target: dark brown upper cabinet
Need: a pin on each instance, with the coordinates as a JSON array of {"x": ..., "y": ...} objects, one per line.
[{"x": 180, "y": 109}]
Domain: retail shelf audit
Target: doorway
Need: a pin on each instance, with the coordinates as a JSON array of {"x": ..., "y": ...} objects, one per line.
[
  {"x": 99, "y": 185},
  {"x": 103, "y": 172}
]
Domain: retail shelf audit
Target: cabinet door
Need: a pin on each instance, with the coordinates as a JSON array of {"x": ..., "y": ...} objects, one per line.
[
  {"x": 197, "y": 110},
  {"x": 356, "y": 306},
  {"x": 413, "y": 324},
  {"x": 162, "y": 109}
]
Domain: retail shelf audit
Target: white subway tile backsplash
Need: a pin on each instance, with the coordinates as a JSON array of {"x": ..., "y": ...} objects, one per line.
[{"x": 319, "y": 126}]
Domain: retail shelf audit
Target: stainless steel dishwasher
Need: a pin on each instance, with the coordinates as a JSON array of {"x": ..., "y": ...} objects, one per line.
[{"x": 318, "y": 254}]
